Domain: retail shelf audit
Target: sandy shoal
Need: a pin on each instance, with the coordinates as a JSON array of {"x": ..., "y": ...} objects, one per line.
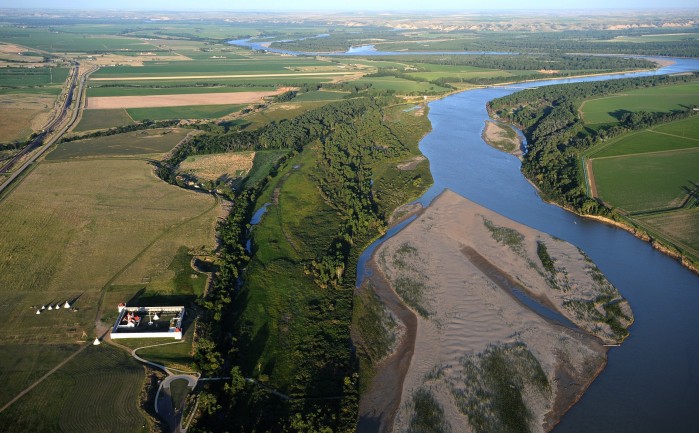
[
  {"x": 149, "y": 101},
  {"x": 449, "y": 250}
]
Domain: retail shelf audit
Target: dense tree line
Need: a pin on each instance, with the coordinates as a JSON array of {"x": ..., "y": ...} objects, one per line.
[
  {"x": 146, "y": 124},
  {"x": 556, "y": 134}
]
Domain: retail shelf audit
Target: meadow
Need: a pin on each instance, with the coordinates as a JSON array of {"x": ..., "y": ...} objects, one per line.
[
  {"x": 129, "y": 90},
  {"x": 608, "y": 109}
]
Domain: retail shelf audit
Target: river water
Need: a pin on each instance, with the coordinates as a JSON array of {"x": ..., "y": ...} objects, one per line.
[{"x": 651, "y": 382}]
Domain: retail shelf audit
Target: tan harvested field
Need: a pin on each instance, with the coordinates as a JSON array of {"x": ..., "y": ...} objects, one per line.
[
  {"x": 213, "y": 167},
  {"x": 23, "y": 114},
  {"x": 72, "y": 227},
  {"x": 111, "y": 102},
  {"x": 192, "y": 77}
]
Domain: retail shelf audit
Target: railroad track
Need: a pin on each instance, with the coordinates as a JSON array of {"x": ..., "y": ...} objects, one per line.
[{"x": 53, "y": 130}]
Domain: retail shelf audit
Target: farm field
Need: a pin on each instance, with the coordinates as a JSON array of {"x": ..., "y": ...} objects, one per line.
[
  {"x": 658, "y": 139},
  {"x": 186, "y": 112},
  {"x": 102, "y": 119},
  {"x": 646, "y": 182},
  {"x": 682, "y": 225},
  {"x": 95, "y": 391},
  {"x": 607, "y": 110},
  {"x": 151, "y": 141}
]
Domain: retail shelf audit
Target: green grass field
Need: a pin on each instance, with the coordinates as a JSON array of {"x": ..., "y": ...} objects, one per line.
[
  {"x": 101, "y": 119},
  {"x": 186, "y": 112},
  {"x": 650, "y": 141},
  {"x": 146, "y": 142},
  {"x": 96, "y": 391},
  {"x": 262, "y": 164},
  {"x": 606, "y": 110},
  {"x": 648, "y": 181}
]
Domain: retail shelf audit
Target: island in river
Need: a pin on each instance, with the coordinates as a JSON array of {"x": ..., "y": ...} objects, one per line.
[{"x": 510, "y": 324}]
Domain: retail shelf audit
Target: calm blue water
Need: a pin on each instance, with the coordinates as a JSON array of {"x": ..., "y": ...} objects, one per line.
[{"x": 651, "y": 383}]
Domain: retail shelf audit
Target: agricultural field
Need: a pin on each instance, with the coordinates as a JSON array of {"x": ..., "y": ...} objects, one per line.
[
  {"x": 608, "y": 109},
  {"x": 652, "y": 175},
  {"x": 146, "y": 142},
  {"x": 646, "y": 182},
  {"x": 103, "y": 119},
  {"x": 95, "y": 391},
  {"x": 670, "y": 136}
]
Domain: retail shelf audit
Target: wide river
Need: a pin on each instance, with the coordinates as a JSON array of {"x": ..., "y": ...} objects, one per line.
[{"x": 651, "y": 382}]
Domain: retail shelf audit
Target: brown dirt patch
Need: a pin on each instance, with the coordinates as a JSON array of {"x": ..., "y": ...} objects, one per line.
[
  {"x": 213, "y": 167},
  {"x": 109, "y": 102},
  {"x": 502, "y": 137}
]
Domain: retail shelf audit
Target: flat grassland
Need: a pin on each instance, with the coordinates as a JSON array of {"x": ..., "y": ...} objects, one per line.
[
  {"x": 216, "y": 166},
  {"x": 95, "y": 391},
  {"x": 607, "y": 109},
  {"x": 150, "y": 141},
  {"x": 102, "y": 119}
]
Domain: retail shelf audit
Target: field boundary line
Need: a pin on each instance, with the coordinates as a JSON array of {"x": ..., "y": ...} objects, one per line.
[
  {"x": 672, "y": 135},
  {"x": 627, "y": 155},
  {"x": 42, "y": 378}
]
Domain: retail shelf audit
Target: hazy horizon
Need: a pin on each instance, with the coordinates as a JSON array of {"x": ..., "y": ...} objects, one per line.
[{"x": 357, "y": 5}]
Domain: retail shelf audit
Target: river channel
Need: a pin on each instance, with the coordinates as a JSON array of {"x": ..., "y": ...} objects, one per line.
[{"x": 651, "y": 382}]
